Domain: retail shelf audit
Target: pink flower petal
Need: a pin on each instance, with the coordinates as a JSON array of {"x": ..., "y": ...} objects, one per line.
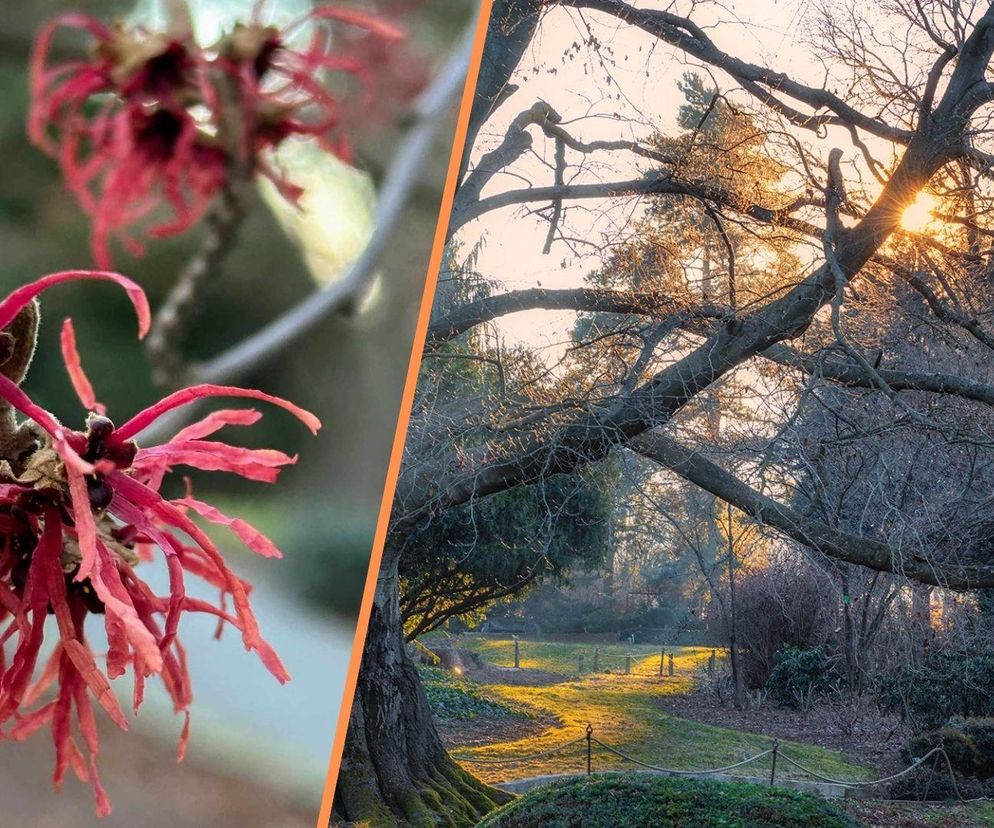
[
  {"x": 97, "y": 683},
  {"x": 74, "y": 365},
  {"x": 248, "y": 534},
  {"x": 186, "y": 396},
  {"x": 208, "y": 455},
  {"x": 354, "y": 17},
  {"x": 107, "y": 584},
  {"x": 17, "y": 299},
  {"x": 86, "y": 528},
  {"x": 215, "y": 421}
]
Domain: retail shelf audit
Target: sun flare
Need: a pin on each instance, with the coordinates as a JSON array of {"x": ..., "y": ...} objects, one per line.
[{"x": 918, "y": 215}]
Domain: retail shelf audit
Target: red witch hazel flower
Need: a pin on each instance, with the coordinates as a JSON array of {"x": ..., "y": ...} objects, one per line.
[
  {"x": 152, "y": 123},
  {"x": 79, "y": 511}
]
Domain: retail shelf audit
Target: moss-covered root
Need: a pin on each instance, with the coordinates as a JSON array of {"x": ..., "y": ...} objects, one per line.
[
  {"x": 451, "y": 798},
  {"x": 458, "y": 799},
  {"x": 395, "y": 770}
]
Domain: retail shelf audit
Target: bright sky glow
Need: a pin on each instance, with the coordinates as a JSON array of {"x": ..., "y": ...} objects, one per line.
[{"x": 917, "y": 216}]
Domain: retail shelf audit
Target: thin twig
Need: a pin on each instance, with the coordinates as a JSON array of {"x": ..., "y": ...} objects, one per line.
[
  {"x": 186, "y": 296},
  {"x": 164, "y": 345},
  {"x": 399, "y": 184}
]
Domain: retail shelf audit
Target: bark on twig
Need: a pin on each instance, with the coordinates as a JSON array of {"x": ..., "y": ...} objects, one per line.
[{"x": 164, "y": 344}]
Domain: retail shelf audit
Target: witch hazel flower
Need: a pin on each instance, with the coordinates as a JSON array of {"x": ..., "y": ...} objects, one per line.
[
  {"x": 80, "y": 510},
  {"x": 151, "y": 127}
]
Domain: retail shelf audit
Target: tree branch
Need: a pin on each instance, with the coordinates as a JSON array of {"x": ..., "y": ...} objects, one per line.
[
  {"x": 654, "y": 304},
  {"x": 843, "y": 546},
  {"x": 759, "y": 81}
]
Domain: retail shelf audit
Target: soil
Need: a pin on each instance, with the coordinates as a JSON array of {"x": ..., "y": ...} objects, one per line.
[
  {"x": 488, "y": 731},
  {"x": 872, "y": 738},
  {"x": 475, "y": 668},
  {"x": 492, "y": 674}
]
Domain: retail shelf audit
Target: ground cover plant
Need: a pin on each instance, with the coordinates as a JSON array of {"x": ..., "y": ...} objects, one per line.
[
  {"x": 451, "y": 697},
  {"x": 647, "y": 801}
]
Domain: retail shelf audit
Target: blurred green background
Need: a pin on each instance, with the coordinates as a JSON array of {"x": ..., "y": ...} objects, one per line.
[{"x": 350, "y": 372}]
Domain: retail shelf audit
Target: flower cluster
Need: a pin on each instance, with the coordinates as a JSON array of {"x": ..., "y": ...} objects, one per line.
[
  {"x": 153, "y": 123},
  {"x": 79, "y": 511}
]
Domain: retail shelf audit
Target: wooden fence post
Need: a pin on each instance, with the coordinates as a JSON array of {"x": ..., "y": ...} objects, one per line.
[
  {"x": 773, "y": 770},
  {"x": 517, "y": 653},
  {"x": 671, "y": 665},
  {"x": 628, "y": 664},
  {"x": 590, "y": 737},
  {"x": 662, "y": 661}
]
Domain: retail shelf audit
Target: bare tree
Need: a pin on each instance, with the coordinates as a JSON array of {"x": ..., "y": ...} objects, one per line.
[{"x": 837, "y": 307}]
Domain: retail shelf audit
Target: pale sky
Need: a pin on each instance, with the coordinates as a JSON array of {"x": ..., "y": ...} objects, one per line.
[{"x": 645, "y": 76}]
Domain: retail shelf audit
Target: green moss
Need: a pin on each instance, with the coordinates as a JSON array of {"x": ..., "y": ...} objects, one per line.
[
  {"x": 417, "y": 812},
  {"x": 368, "y": 810},
  {"x": 645, "y": 801}
]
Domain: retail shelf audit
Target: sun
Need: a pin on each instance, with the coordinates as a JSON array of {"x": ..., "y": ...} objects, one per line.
[{"x": 917, "y": 216}]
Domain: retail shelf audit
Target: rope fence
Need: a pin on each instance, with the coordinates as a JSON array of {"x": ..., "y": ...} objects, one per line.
[{"x": 588, "y": 740}]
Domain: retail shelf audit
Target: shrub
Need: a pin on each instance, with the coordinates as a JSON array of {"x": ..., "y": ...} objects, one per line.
[
  {"x": 646, "y": 801},
  {"x": 959, "y": 747},
  {"x": 947, "y": 684},
  {"x": 799, "y": 675},
  {"x": 981, "y": 730},
  {"x": 785, "y": 606},
  {"x": 969, "y": 744}
]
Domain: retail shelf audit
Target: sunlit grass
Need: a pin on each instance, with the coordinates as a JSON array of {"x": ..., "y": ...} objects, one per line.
[
  {"x": 625, "y": 713},
  {"x": 563, "y": 658}
]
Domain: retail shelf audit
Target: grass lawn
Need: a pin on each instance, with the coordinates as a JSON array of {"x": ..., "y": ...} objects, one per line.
[
  {"x": 563, "y": 658},
  {"x": 624, "y": 713}
]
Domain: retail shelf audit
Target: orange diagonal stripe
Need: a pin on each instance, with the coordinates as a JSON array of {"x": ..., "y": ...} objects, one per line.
[{"x": 407, "y": 402}]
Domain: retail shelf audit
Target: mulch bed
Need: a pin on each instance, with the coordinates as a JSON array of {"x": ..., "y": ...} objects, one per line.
[
  {"x": 910, "y": 815},
  {"x": 871, "y": 738},
  {"x": 489, "y": 731}
]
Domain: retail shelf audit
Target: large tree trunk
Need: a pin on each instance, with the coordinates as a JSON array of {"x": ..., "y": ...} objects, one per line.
[{"x": 395, "y": 770}]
